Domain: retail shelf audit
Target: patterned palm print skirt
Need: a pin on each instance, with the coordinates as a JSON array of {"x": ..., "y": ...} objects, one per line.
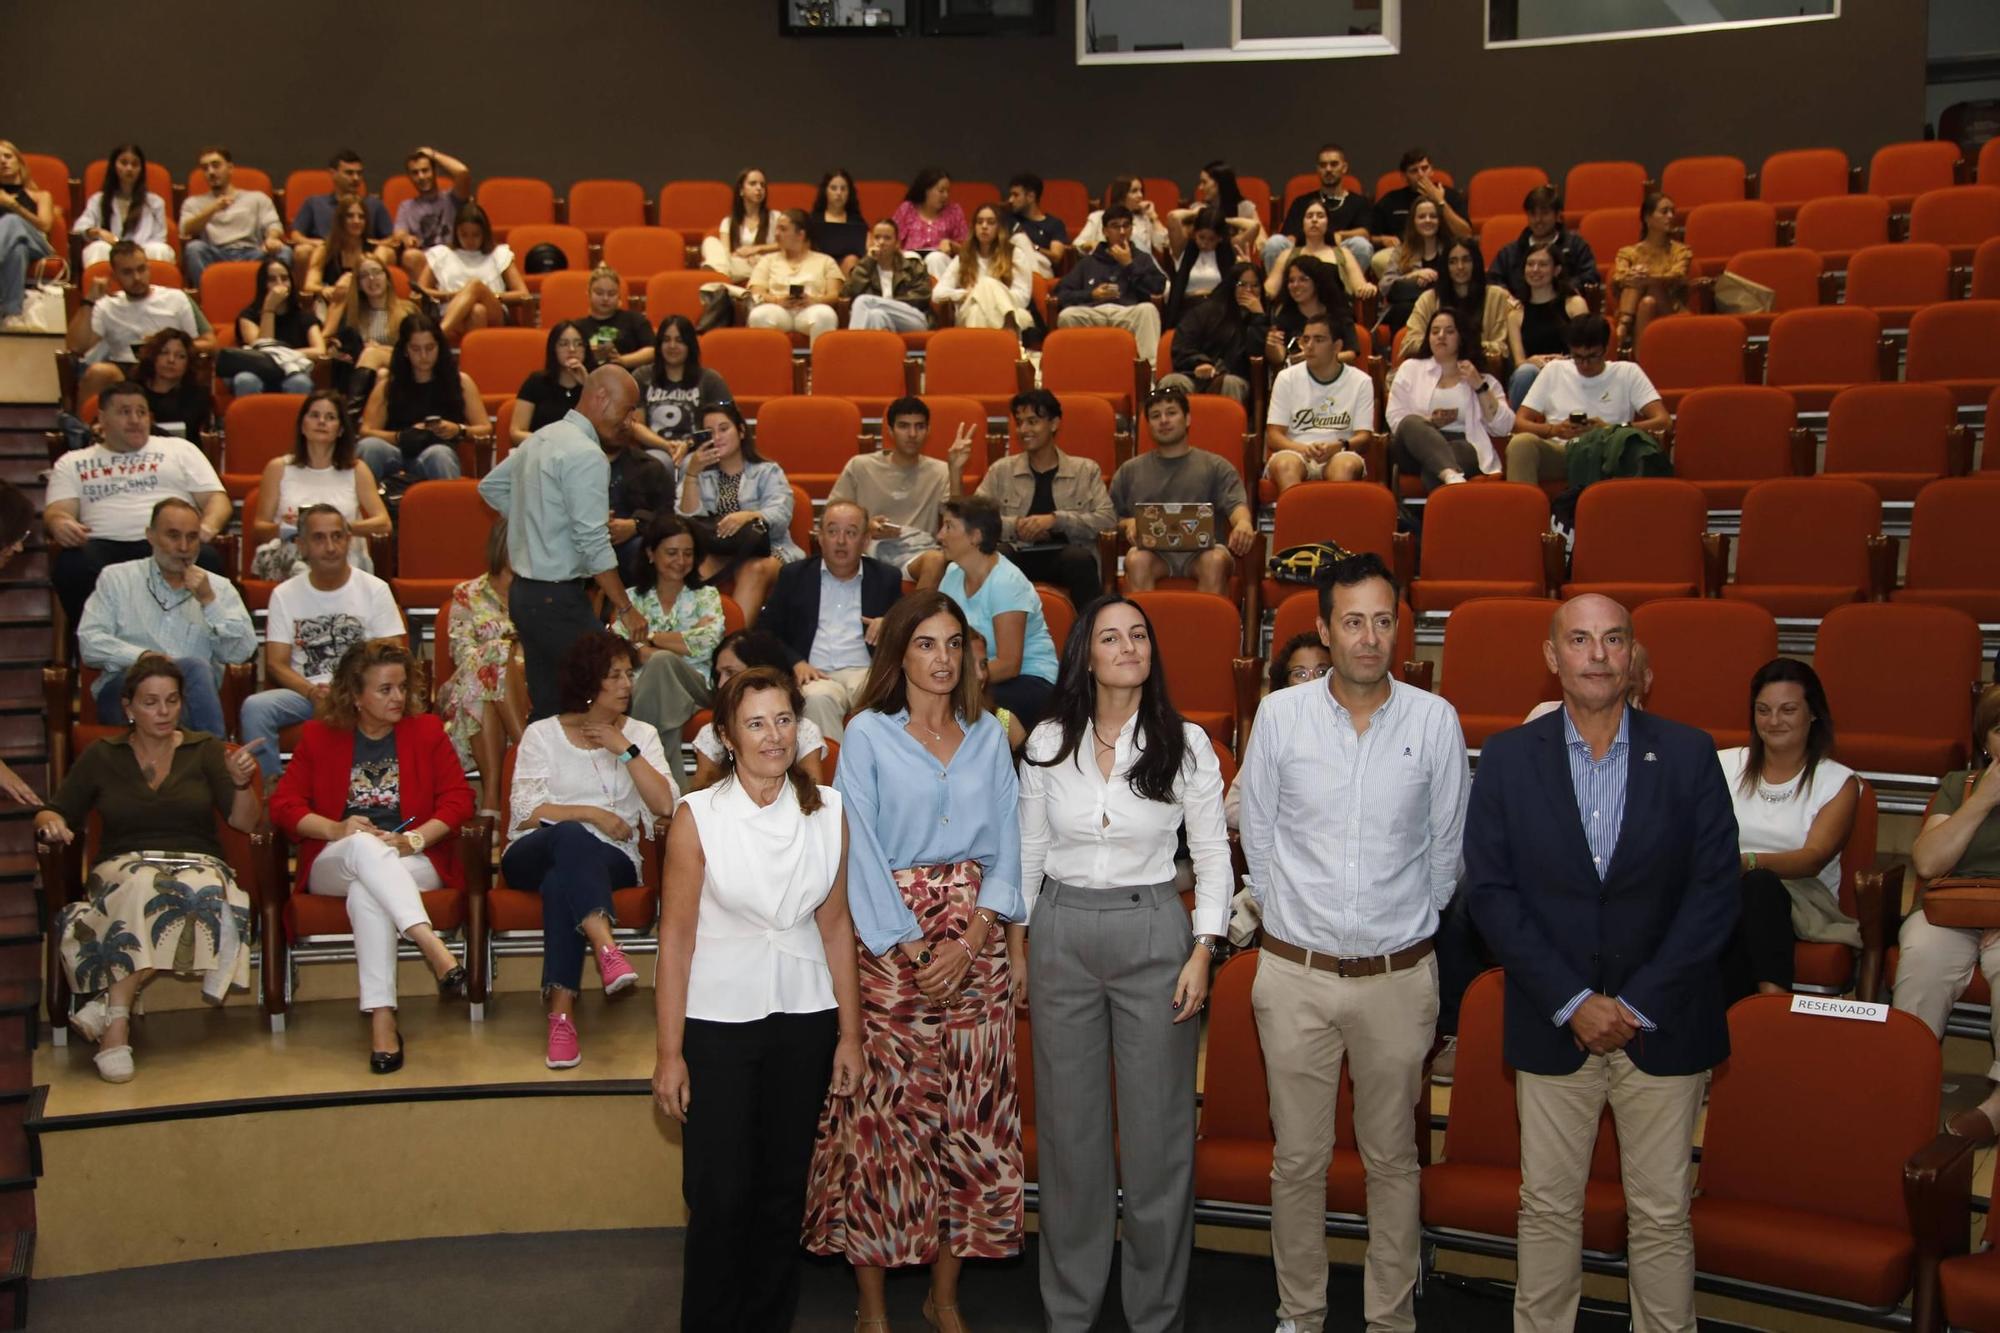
[
  {"x": 928, "y": 1153},
  {"x": 177, "y": 912}
]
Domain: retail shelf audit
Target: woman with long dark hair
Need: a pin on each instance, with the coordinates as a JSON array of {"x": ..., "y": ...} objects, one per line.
[
  {"x": 1214, "y": 341},
  {"x": 1311, "y": 287},
  {"x": 548, "y": 394},
  {"x": 742, "y": 506},
  {"x": 417, "y": 414},
  {"x": 1486, "y": 306},
  {"x": 277, "y": 338},
  {"x": 1650, "y": 278},
  {"x": 1794, "y": 810},
  {"x": 835, "y": 224},
  {"x": 123, "y": 210},
  {"x": 321, "y": 469},
  {"x": 1201, "y": 257},
  {"x": 743, "y": 237},
  {"x": 1445, "y": 411},
  {"x": 927, "y": 222},
  {"x": 1109, "y": 779},
  {"x": 673, "y": 389},
  {"x": 473, "y": 280},
  {"x": 683, "y": 626},
  {"x": 1537, "y": 323}
]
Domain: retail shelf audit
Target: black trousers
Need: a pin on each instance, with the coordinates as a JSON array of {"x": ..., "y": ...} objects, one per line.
[
  {"x": 1760, "y": 948},
  {"x": 1071, "y": 567},
  {"x": 76, "y": 569},
  {"x": 756, "y": 1092},
  {"x": 1026, "y": 697},
  {"x": 548, "y": 618},
  {"x": 1461, "y": 956}
]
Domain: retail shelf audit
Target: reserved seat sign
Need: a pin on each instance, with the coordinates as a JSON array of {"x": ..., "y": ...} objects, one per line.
[{"x": 1828, "y": 1006}]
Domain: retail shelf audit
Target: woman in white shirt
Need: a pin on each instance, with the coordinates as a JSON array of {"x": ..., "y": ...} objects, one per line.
[
  {"x": 993, "y": 278},
  {"x": 1794, "y": 811},
  {"x": 793, "y": 288},
  {"x": 588, "y": 783},
  {"x": 1108, "y": 780},
  {"x": 1445, "y": 411},
  {"x": 1149, "y": 231},
  {"x": 744, "y": 237},
  {"x": 759, "y": 1004},
  {"x": 475, "y": 280},
  {"x": 124, "y": 210}
]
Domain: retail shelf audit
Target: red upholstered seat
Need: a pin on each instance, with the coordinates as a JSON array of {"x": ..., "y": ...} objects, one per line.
[
  {"x": 1971, "y": 1285},
  {"x": 317, "y": 914}
]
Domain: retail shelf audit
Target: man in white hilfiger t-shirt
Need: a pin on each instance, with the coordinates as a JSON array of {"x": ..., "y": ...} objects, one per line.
[
  {"x": 315, "y": 617},
  {"x": 1577, "y": 395},
  {"x": 1322, "y": 412}
]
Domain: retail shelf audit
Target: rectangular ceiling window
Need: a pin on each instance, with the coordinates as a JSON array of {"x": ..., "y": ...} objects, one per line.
[
  {"x": 1549, "y": 22},
  {"x": 1187, "y": 31}
]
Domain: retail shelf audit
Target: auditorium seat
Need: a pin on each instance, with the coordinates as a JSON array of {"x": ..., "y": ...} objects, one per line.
[
  {"x": 1793, "y": 273},
  {"x": 1486, "y": 541},
  {"x": 1838, "y": 226},
  {"x": 677, "y": 292},
  {"x": 1959, "y": 217},
  {"x": 1956, "y": 344},
  {"x": 1899, "y": 679},
  {"x": 1068, "y": 200},
  {"x": 1058, "y": 613},
  {"x": 1792, "y": 178},
  {"x": 1898, "y": 438},
  {"x": 256, "y": 430},
  {"x": 1950, "y": 563},
  {"x": 1492, "y": 670},
  {"x": 525, "y": 236},
  {"x": 756, "y": 363},
  {"x": 442, "y": 528},
  {"x": 1869, "y": 894},
  {"x": 1105, "y": 362},
  {"x": 1590, "y": 186},
  {"x": 985, "y": 364},
  {"x": 1692, "y": 182},
  {"x": 159, "y": 272},
  {"x": 640, "y": 252},
  {"x": 948, "y": 413},
  {"x": 694, "y": 208},
  {"x": 517, "y": 201},
  {"x": 1895, "y": 281},
  {"x": 227, "y": 289},
  {"x": 1989, "y": 163},
  {"x": 1817, "y": 353},
  {"x": 1808, "y": 545},
  {"x": 1197, "y": 636},
  {"x": 1899, "y": 172},
  {"x": 500, "y": 361},
  {"x": 1986, "y": 271},
  {"x": 1354, "y": 516},
  {"x": 600, "y": 207},
  {"x": 566, "y": 295},
  {"x": 1727, "y": 439},
  {"x": 879, "y": 198},
  {"x": 1683, "y": 352},
  {"x": 1704, "y": 652},
  {"x": 1641, "y": 538},
  {"x": 1608, "y": 230},
  {"x": 1495, "y": 191},
  {"x": 812, "y": 439},
  {"x": 865, "y": 366},
  {"x": 1716, "y": 232},
  {"x": 1499, "y": 230}
]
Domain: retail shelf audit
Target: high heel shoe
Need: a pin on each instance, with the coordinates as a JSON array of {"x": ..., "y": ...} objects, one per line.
[
  {"x": 452, "y": 983},
  {"x": 878, "y": 1324},
  {"x": 934, "y": 1316},
  {"x": 387, "y": 1062}
]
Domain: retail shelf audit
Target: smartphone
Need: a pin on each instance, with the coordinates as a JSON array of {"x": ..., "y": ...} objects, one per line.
[
  {"x": 896, "y": 528},
  {"x": 1577, "y": 419},
  {"x": 432, "y": 421},
  {"x": 1447, "y": 415},
  {"x": 798, "y": 290},
  {"x": 700, "y": 437}
]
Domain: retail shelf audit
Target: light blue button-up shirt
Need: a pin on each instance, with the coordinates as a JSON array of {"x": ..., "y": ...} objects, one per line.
[
  {"x": 905, "y": 809},
  {"x": 134, "y": 610},
  {"x": 554, "y": 488},
  {"x": 1600, "y": 803}
]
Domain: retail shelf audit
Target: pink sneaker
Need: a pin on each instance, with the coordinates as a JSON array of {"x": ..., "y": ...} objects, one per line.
[
  {"x": 614, "y": 971},
  {"x": 563, "y": 1050}
]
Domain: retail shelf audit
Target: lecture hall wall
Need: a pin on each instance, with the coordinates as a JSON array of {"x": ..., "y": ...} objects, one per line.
[{"x": 656, "y": 89}]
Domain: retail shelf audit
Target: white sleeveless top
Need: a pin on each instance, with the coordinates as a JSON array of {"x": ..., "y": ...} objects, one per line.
[
  {"x": 1776, "y": 817},
  {"x": 302, "y": 487},
  {"x": 757, "y": 947}
]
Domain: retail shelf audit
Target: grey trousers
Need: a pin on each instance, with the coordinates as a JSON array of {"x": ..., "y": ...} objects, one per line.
[
  {"x": 1102, "y": 964},
  {"x": 1418, "y": 446},
  {"x": 668, "y": 692}
]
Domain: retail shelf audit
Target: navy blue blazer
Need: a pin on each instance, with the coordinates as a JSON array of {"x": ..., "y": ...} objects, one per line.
[
  {"x": 791, "y": 611},
  {"x": 1650, "y": 931}
]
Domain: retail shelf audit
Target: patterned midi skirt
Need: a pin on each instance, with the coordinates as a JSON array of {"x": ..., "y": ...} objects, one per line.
[
  {"x": 926, "y": 1157},
  {"x": 178, "y": 912}
]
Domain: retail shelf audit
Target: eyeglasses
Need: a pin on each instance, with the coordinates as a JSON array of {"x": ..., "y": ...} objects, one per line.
[{"x": 1300, "y": 675}]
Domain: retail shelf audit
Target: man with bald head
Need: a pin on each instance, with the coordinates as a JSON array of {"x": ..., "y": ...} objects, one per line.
[
  {"x": 1601, "y": 869},
  {"x": 551, "y": 488},
  {"x": 824, "y": 611}
]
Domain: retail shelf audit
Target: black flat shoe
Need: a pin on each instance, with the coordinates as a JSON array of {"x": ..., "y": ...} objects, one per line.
[
  {"x": 453, "y": 982},
  {"x": 387, "y": 1062}
]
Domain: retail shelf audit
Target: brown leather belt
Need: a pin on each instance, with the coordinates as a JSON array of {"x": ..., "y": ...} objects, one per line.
[{"x": 1371, "y": 966}]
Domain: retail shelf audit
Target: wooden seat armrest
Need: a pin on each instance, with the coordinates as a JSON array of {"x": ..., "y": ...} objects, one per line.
[
  {"x": 1418, "y": 673},
  {"x": 1881, "y": 567},
  {"x": 1937, "y": 1190},
  {"x": 1247, "y": 675},
  {"x": 475, "y": 855},
  {"x": 1555, "y": 563},
  {"x": 1714, "y": 562},
  {"x": 1878, "y": 900},
  {"x": 1958, "y": 451}
]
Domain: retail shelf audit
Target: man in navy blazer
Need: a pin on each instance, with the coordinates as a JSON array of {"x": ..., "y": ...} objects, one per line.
[
  {"x": 1601, "y": 866},
  {"x": 823, "y": 610}
]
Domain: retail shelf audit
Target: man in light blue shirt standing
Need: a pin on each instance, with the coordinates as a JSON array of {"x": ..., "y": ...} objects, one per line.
[{"x": 552, "y": 490}]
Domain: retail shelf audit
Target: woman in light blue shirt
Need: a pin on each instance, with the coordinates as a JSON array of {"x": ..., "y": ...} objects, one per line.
[
  {"x": 1002, "y": 605},
  {"x": 742, "y": 503},
  {"x": 924, "y": 1165}
]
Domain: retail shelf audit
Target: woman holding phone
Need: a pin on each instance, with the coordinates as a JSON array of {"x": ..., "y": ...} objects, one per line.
[{"x": 742, "y": 507}]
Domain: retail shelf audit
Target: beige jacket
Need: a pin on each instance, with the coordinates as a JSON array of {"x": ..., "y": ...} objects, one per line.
[{"x": 1083, "y": 504}]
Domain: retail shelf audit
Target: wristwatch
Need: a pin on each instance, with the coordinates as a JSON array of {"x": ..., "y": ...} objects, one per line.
[
  {"x": 631, "y": 753},
  {"x": 1217, "y": 946},
  {"x": 416, "y": 841}
]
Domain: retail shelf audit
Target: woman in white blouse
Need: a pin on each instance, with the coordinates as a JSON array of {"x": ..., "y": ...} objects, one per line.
[
  {"x": 1794, "y": 811},
  {"x": 588, "y": 783},
  {"x": 124, "y": 210},
  {"x": 475, "y": 280},
  {"x": 759, "y": 1004},
  {"x": 993, "y": 278},
  {"x": 1108, "y": 781},
  {"x": 1445, "y": 411}
]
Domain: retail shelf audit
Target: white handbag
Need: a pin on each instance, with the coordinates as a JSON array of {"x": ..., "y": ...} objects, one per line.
[{"x": 43, "y": 306}]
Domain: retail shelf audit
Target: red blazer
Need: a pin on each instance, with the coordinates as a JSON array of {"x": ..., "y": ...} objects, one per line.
[{"x": 433, "y": 787}]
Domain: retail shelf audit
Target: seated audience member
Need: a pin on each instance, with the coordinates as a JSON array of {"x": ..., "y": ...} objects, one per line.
[
  {"x": 744, "y": 236},
  {"x": 1047, "y": 234},
  {"x": 1114, "y": 284},
  {"x": 100, "y": 499},
  {"x": 430, "y": 216},
  {"x": 1347, "y": 212},
  {"x": 743, "y": 506},
  {"x": 108, "y": 327},
  {"x": 1315, "y": 242},
  {"x": 180, "y": 401},
  {"x": 588, "y": 784},
  {"x": 1052, "y": 504},
  {"x": 415, "y": 417},
  {"x": 157, "y": 791},
  {"x": 1464, "y": 288},
  {"x": 548, "y": 394},
  {"x": 374, "y": 798},
  {"x": 610, "y": 331},
  {"x": 836, "y": 227},
  {"x": 1414, "y": 266},
  {"x": 1651, "y": 275},
  {"x": 1545, "y": 229},
  {"x": 1445, "y": 411},
  {"x": 1173, "y": 471},
  {"x": 1001, "y": 604},
  {"x": 321, "y": 469},
  {"x": 674, "y": 387},
  {"x": 227, "y": 223},
  {"x": 27, "y": 215},
  {"x": 1794, "y": 811},
  {"x": 123, "y": 210},
  {"x": 793, "y": 287},
  {"x": 1581, "y": 394},
  {"x": 1392, "y": 211},
  {"x": 683, "y": 625},
  {"x": 1958, "y": 839},
  {"x": 313, "y": 222},
  {"x": 1302, "y": 660},
  {"x": 168, "y": 606},
  {"x": 978, "y": 652},
  {"x": 889, "y": 288},
  {"x": 1538, "y": 320},
  {"x": 1201, "y": 255},
  {"x": 902, "y": 491},
  {"x": 641, "y": 493},
  {"x": 473, "y": 280},
  {"x": 277, "y": 339},
  {"x": 927, "y": 222},
  {"x": 330, "y": 274},
  {"x": 1149, "y": 231},
  {"x": 822, "y": 615},
  {"x": 739, "y": 651},
  {"x": 314, "y": 618},
  {"x": 990, "y": 284},
  {"x": 1322, "y": 413},
  {"x": 1310, "y": 288},
  {"x": 1216, "y": 338},
  {"x": 1216, "y": 187},
  {"x": 484, "y": 703},
  {"x": 363, "y": 329}
]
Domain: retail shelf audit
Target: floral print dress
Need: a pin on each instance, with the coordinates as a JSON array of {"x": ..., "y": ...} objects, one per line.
[{"x": 482, "y": 643}]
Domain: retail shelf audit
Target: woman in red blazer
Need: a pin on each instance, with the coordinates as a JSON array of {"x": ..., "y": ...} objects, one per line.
[{"x": 373, "y": 798}]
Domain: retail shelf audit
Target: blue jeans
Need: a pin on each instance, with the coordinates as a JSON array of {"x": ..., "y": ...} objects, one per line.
[
  {"x": 1518, "y": 383},
  {"x": 439, "y": 462},
  {"x": 21, "y": 243},
  {"x": 591, "y": 869},
  {"x": 201, "y": 699},
  {"x": 265, "y": 714},
  {"x": 198, "y": 255},
  {"x": 244, "y": 383}
]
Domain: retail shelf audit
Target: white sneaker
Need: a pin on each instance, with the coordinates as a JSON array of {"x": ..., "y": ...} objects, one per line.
[
  {"x": 1445, "y": 1063},
  {"x": 114, "y": 1065},
  {"x": 18, "y": 324},
  {"x": 91, "y": 1018}
]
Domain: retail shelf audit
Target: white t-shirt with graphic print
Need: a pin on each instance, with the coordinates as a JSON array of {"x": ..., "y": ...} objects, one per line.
[
  {"x": 1316, "y": 410},
  {"x": 322, "y": 626}
]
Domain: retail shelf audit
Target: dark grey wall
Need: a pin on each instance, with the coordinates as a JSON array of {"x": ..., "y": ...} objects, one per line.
[{"x": 655, "y": 89}]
